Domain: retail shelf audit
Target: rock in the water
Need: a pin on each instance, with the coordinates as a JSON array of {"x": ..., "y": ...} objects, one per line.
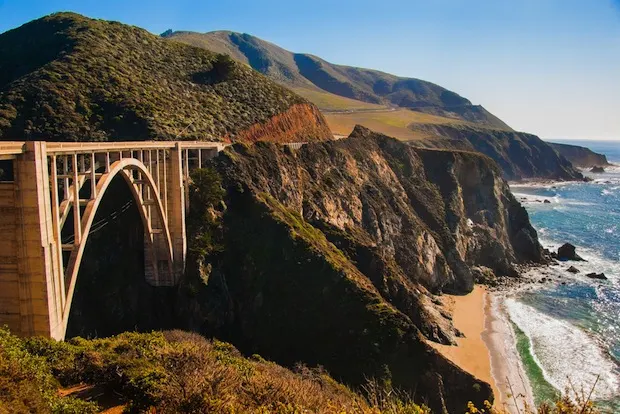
[
  {"x": 573, "y": 269},
  {"x": 547, "y": 201},
  {"x": 597, "y": 170},
  {"x": 567, "y": 252},
  {"x": 599, "y": 276}
]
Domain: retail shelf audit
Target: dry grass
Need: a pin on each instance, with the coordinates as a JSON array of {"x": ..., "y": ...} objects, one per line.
[
  {"x": 170, "y": 372},
  {"x": 331, "y": 102},
  {"x": 182, "y": 372},
  {"x": 216, "y": 377},
  {"x": 392, "y": 123}
]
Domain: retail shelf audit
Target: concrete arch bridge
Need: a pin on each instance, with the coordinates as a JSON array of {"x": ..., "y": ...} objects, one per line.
[{"x": 54, "y": 189}]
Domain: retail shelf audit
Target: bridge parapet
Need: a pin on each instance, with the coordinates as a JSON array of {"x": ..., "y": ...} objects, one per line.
[{"x": 49, "y": 209}]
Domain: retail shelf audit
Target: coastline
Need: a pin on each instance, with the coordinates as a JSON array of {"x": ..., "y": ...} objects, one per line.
[
  {"x": 488, "y": 349},
  {"x": 515, "y": 391}
]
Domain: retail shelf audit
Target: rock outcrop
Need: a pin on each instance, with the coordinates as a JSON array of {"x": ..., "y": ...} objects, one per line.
[
  {"x": 299, "y": 122},
  {"x": 580, "y": 156},
  {"x": 331, "y": 255},
  {"x": 520, "y": 155},
  {"x": 568, "y": 252}
]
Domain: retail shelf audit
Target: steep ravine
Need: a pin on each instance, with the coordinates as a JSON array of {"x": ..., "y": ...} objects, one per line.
[{"x": 332, "y": 255}]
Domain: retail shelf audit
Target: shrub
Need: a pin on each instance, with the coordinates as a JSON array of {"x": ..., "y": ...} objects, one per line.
[
  {"x": 27, "y": 384},
  {"x": 180, "y": 372},
  {"x": 69, "y": 78}
]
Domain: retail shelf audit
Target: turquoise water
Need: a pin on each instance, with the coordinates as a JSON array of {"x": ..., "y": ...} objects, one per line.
[{"x": 574, "y": 328}]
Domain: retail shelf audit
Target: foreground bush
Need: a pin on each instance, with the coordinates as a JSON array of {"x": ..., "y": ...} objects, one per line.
[
  {"x": 180, "y": 372},
  {"x": 27, "y": 384},
  {"x": 172, "y": 372}
]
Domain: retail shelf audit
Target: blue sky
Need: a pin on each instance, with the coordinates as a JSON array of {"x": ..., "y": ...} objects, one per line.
[{"x": 550, "y": 67}]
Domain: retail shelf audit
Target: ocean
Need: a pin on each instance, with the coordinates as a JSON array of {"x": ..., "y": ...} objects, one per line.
[{"x": 570, "y": 327}]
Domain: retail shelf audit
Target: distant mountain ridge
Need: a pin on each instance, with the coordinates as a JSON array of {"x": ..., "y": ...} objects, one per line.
[
  {"x": 410, "y": 109},
  {"x": 313, "y": 77},
  {"x": 580, "y": 156}
]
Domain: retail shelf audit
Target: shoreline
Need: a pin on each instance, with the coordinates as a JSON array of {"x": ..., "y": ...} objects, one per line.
[
  {"x": 512, "y": 382},
  {"x": 489, "y": 349}
]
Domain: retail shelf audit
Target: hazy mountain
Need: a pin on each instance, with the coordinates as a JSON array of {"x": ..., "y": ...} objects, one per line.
[{"x": 326, "y": 84}]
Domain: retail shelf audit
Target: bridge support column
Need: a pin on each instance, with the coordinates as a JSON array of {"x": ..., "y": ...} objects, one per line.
[
  {"x": 39, "y": 268},
  {"x": 176, "y": 210}
]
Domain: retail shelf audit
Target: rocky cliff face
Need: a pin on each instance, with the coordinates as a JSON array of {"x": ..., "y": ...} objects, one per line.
[
  {"x": 520, "y": 155},
  {"x": 299, "y": 123},
  {"x": 580, "y": 156},
  {"x": 332, "y": 255}
]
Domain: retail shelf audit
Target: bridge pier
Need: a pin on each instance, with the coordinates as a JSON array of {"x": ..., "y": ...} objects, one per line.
[
  {"x": 35, "y": 307},
  {"x": 176, "y": 208}
]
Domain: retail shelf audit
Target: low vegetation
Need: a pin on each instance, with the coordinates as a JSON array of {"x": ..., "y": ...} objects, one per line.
[
  {"x": 329, "y": 102},
  {"x": 395, "y": 123},
  {"x": 27, "y": 384},
  {"x": 172, "y": 372},
  {"x": 181, "y": 372},
  {"x": 71, "y": 78}
]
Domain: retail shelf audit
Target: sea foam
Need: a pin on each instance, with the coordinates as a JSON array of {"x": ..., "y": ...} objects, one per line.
[
  {"x": 595, "y": 262},
  {"x": 569, "y": 357}
]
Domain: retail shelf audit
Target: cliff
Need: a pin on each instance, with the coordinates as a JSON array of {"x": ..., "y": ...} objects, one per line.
[
  {"x": 580, "y": 156},
  {"x": 299, "y": 123},
  {"x": 519, "y": 155},
  {"x": 66, "y": 77},
  {"x": 332, "y": 255}
]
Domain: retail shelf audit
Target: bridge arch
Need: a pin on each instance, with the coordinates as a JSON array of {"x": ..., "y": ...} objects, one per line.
[
  {"x": 48, "y": 182},
  {"x": 128, "y": 168}
]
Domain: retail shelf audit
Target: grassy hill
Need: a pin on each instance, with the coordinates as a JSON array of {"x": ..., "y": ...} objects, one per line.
[
  {"x": 398, "y": 123},
  {"x": 321, "y": 81},
  {"x": 68, "y": 77}
]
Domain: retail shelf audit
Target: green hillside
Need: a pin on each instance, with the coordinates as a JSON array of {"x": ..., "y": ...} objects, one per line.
[
  {"x": 309, "y": 74},
  {"x": 68, "y": 77}
]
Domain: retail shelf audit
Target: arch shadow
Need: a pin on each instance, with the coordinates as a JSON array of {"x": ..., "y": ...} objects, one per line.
[{"x": 126, "y": 167}]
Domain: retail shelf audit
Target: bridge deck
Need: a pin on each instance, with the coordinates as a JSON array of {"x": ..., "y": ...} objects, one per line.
[{"x": 10, "y": 149}]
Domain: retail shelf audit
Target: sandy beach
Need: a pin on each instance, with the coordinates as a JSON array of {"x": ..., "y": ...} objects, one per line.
[{"x": 488, "y": 350}]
